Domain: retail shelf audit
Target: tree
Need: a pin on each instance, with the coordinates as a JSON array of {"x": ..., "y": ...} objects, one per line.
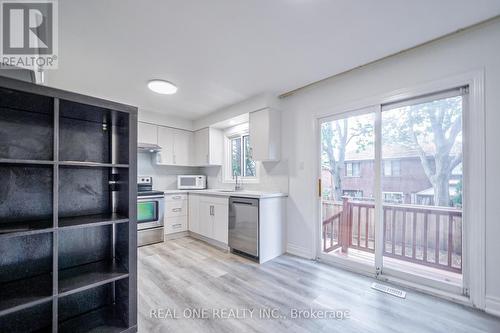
[
  {"x": 434, "y": 130},
  {"x": 335, "y": 137}
]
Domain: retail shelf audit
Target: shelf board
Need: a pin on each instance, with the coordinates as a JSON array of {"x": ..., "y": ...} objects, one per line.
[
  {"x": 24, "y": 228},
  {"x": 92, "y": 164},
  {"x": 25, "y": 162},
  {"x": 105, "y": 319},
  {"x": 90, "y": 220},
  {"x": 21, "y": 294},
  {"x": 88, "y": 276}
]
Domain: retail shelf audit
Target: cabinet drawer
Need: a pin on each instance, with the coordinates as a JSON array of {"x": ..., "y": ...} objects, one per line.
[
  {"x": 176, "y": 208},
  {"x": 176, "y": 224},
  {"x": 215, "y": 200},
  {"x": 176, "y": 197}
]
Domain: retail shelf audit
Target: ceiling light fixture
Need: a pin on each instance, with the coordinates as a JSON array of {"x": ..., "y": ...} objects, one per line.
[{"x": 162, "y": 87}]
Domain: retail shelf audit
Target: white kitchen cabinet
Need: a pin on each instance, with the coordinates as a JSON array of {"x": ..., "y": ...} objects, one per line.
[
  {"x": 176, "y": 213},
  {"x": 175, "y": 224},
  {"x": 147, "y": 133},
  {"x": 194, "y": 213},
  {"x": 208, "y": 217},
  {"x": 177, "y": 146},
  {"x": 208, "y": 147},
  {"x": 220, "y": 220},
  {"x": 205, "y": 219},
  {"x": 166, "y": 142},
  {"x": 183, "y": 147},
  {"x": 265, "y": 134}
]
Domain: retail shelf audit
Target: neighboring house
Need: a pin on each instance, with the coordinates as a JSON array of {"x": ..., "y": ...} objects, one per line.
[{"x": 403, "y": 177}]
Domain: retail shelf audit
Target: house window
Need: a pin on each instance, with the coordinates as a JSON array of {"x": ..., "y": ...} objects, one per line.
[
  {"x": 352, "y": 169},
  {"x": 239, "y": 160},
  {"x": 393, "y": 197},
  {"x": 353, "y": 193},
  {"x": 392, "y": 168}
]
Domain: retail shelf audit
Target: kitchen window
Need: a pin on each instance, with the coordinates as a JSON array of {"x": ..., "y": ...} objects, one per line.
[
  {"x": 352, "y": 169},
  {"x": 239, "y": 160}
]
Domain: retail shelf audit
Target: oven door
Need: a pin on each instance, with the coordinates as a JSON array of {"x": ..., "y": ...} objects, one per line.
[{"x": 150, "y": 212}]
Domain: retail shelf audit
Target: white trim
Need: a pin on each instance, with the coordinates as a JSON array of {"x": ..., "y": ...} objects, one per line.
[
  {"x": 378, "y": 213},
  {"x": 492, "y": 305},
  {"x": 299, "y": 251},
  {"x": 347, "y": 264},
  {"x": 426, "y": 290},
  {"x": 475, "y": 248},
  {"x": 422, "y": 281},
  {"x": 474, "y": 164}
]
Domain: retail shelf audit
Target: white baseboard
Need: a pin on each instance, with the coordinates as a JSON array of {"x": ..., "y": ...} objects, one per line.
[
  {"x": 213, "y": 242},
  {"x": 176, "y": 235},
  {"x": 492, "y": 305},
  {"x": 299, "y": 251}
]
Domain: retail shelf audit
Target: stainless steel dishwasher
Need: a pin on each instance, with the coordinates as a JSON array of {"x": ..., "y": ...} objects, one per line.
[{"x": 244, "y": 226}]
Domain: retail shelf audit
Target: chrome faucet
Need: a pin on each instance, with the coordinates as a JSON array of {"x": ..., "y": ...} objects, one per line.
[{"x": 237, "y": 186}]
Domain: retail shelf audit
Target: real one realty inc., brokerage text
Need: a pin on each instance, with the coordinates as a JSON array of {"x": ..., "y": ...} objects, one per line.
[{"x": 248, "y": 313}]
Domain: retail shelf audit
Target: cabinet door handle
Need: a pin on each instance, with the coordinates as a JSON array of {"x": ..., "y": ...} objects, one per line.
[
  {"x": 212, "y": 211},
  {"x": 176, "y": 209},
  {"x": 176, "y": 197},
  {"x": 177, "y": 225}
]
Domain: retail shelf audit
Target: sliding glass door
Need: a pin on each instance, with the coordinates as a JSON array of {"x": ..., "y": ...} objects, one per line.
[
  {"x": 422, "y": 187},
  {"x": 347, "y": 187},
  {"x": 392, "y": 189}
]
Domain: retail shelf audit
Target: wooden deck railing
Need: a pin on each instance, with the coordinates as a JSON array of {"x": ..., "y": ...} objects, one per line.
[{"x": 425, "y": 235}]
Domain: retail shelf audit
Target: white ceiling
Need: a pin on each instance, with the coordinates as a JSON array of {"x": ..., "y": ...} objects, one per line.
[{"x": 220, "y": 52}]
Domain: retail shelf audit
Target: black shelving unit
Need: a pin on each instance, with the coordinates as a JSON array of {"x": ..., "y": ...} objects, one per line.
[{"x": 68, "y": 231}]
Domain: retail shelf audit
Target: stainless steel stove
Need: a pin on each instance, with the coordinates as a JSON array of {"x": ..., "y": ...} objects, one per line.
[{"x": 150, "y": 212}]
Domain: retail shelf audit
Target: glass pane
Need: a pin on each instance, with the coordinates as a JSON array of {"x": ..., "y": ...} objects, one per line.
[
  {"x": 347, "y": 178},
  {"x": 236, "y": 156},
  {"x": 249, "y": 163},
  {"x": 422, "y": 189},
  {"x": 147, "y": 211}
]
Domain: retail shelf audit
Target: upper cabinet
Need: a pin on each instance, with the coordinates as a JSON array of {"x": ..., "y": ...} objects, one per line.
[
  {"x": 184, "y": 148},
  {"x": 265, "y": 134},
  {"x": 166, "y": 142},
  {"x": 209, "y": 146},
  {"x": 176, "y": 146},
  {"x": 147, "y": 133}
]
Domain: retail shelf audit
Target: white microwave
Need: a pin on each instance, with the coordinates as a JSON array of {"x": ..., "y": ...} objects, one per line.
[{"x": 191, "y": 182}]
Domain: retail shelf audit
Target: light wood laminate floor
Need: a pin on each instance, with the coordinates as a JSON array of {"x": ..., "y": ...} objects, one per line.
[{"x": 181, "y": 276}]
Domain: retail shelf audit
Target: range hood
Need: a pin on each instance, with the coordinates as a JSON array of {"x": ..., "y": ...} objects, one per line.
[{"x": 148, "y": 147}]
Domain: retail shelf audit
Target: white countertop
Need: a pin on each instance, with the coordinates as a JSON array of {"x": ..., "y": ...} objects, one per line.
[{"x": 230, "y": 193}]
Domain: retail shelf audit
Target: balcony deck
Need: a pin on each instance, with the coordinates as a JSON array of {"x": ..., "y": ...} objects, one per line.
[{"x": 420, "y": 240}]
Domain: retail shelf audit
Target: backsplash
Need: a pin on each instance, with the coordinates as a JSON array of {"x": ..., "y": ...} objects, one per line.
[
  {"x": 164, "y": 177},
  {"x": 273, "y": 177}
]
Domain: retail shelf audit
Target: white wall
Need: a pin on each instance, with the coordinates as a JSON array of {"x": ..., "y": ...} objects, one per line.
[
  {"x": 164, "y": 119},
  {"x": 251, "y": 104},
  {"x": 473, "y": 49}
]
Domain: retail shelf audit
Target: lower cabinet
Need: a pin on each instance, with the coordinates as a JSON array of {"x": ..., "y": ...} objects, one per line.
[
  {"x": 208, "y": 216},
  {"x": 176, "y": 213}
]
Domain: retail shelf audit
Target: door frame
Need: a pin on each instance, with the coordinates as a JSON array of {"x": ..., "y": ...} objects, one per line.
[{"x": 474, "y": 250}]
